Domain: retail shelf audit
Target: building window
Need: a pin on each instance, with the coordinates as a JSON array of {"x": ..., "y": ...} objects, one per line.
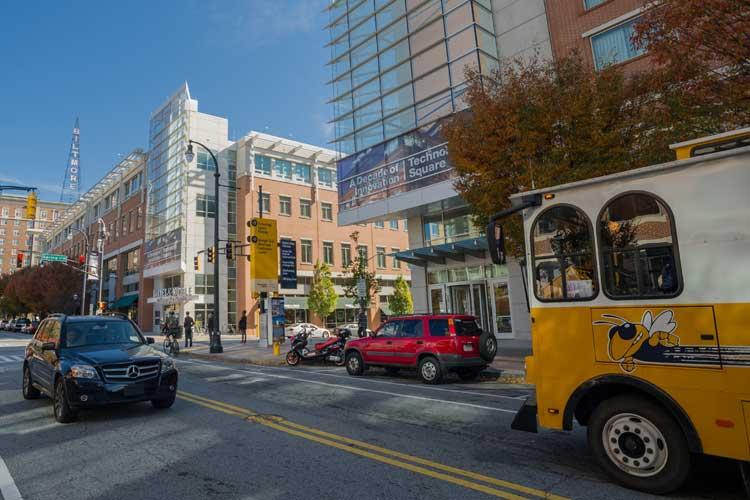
[
  {"x": 563, "y": 246},
  {"x": 262, "y": 164},
  {"x": 326, "y": 177},
  {"x": 204, "y": 284},
  {"x": 328, "y": 252},
  {"x": 346, "y": 254},
  {"x": 380, "y": 257},
  {"x": 131, "y": 222},
  {"x": 6, "y": 212},
  {"x": 264, "y": 203},
  {"x": 285, "y": 205},
  {"x": 205, "y": 162},
  {"x": 362, "y": 250},
  {"x": 201, "y": 313},
  {"x": 326, "y": 211},
  {"x": 590, "y": 4},
  {"x": 639, "y": 254},
  {"x": 205, "y": 205},
  {"x": 283, "y": 169},
  {"x": 304, "y": 208},
  {"x": 615, "y": 45},
  {"x": 302, "y": 172},
  {"x": 139, "y": 218},
  {"x": 131, "y": 262},
  {"x": 306, "y": 251},
  {"x": 379, "y": 224},
  {"x": 16, "y": 223},
  {"x": 395, "y": 263},
  {"x": 16, "y": 232}
]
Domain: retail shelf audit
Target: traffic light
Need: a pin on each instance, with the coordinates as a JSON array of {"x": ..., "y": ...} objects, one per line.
[
  {"x": 197, "y": 263},
  {"x": 210, "y": 253},
  {"x": 81, "y": 260},
  {"x": 102, "y": 306},
  {"x": 19, "y": 260},
  {"x": 229, "y": 251},
  {"x": 31, "y": 205}
]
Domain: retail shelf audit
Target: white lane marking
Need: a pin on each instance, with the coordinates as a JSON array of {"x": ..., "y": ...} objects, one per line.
[
  {"x": 362, "y": 389},
  {"x": 7, "y": 486},
  {"x": 376, "y": 381},
  {"x": 6, "y": 359},
  {"x": 223, "y": 378},
  {"x": 17, "y": 358}
]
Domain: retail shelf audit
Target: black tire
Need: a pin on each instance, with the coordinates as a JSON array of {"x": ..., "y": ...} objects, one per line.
[
  {"x": 292, "y": 358},
  {"x": 469, "y": 374},
  {"x": 632, "y": 424},
  {"x": 28, "y": 390},
  {"x": 430, "y": 370},
  {"x": 392, "y": 370},
  {"x": 341, "y": 361},
  {"x": 354, "y": 364},
  {"x": 63, "y": 412},
  {"x": 163, "y": 404},
  {"x": 487, "y": 346}
]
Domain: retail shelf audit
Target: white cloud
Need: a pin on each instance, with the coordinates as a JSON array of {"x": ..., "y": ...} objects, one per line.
[{"x": 254, "y": 23}]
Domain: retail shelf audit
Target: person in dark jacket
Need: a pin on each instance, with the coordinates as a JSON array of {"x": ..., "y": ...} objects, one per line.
[
  {"x": 242, "y": 325},
  {"x": 210, "y": 326},
  {"x": 188, "y": 325}
]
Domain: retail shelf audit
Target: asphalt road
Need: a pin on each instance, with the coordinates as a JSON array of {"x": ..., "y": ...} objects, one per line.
[{"x": 311, "y": 432}]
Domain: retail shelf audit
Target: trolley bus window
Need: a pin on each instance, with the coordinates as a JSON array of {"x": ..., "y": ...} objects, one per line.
[
  {"x": 562, "y": 246},
  {"x": 639, "y": 257}
]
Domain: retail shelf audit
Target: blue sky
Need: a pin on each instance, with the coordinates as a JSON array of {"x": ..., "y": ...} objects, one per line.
[{"x": 260, "y": 63}]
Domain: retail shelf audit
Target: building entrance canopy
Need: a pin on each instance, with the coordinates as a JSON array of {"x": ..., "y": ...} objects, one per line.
[{"x": 437, "y": 254}]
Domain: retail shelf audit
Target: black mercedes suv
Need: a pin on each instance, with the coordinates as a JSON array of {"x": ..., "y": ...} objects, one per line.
[{"x": 87, "y": 361}]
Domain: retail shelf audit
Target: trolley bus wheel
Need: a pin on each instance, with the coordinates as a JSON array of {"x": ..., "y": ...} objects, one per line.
[{"x": 639, "y": 444}]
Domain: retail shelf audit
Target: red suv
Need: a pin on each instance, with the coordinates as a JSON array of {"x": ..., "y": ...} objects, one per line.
[{"x": 434, "y": 344}]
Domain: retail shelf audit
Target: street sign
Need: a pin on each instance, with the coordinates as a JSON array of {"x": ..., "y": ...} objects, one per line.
[
  {"x": 277, "y": 317},
  {"x": 54, "y": 257},
  {"x": 93, "y": 266},
  {"x": 288, "y": 264},
  {"x": 264, "y": 255},
  {"x": 362, "y": 288}
]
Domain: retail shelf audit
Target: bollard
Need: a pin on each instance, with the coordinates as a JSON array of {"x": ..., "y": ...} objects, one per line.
[{"x": 276, "y": 349}]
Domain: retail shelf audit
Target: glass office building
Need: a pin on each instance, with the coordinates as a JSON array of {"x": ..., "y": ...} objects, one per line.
[{"x": 398, "y": 69}]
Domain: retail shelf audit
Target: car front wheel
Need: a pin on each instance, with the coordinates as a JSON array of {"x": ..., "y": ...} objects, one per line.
[
  {"x": 29, "y": 391},
  {"x": 430, "y": 371},
  {"x": 63, "y": 412},
  {"x": 354, "y": 364},
  {"x": 639, "y": 445},
  {"x": 165, "y": 403}
]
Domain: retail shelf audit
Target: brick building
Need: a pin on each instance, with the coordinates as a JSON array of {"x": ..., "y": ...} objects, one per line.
[
  {"x": 599, "y": 30},
  {"x": 15, "y": 234}
]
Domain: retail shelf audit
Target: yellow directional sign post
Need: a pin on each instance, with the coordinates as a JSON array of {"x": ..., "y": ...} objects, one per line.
[{"x": 264, "y": 255}]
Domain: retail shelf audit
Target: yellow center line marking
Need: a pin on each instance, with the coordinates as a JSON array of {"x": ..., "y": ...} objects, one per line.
[{"x": 345, "y": 444}]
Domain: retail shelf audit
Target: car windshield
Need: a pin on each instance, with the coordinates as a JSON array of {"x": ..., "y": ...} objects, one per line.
[{"x": 87, "y": 333}]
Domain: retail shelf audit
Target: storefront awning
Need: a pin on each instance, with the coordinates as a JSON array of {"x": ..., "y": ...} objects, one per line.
[
  {"x": 458, "y": 250},
  {"x": 124, "y": 302},
  {"x": 346, "y": 303}
]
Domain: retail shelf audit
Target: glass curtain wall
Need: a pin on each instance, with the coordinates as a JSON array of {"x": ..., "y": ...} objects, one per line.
[
  {"x": 230, "y": 156},
  {"x": 398, "y": 65},
  {"x": 168, "y": 133}
]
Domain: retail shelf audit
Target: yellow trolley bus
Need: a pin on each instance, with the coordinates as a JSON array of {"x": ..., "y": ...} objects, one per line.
[{"x": 639, "y": 294}]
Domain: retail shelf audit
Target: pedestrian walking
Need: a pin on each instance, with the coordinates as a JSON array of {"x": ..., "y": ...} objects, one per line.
[
  {"x": 210, "y": 327},
  {"x": 188, "y": 325},
  {"x": 243, "y": 327}
]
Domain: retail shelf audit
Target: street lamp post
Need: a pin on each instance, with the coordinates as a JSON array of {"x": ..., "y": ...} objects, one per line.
[
  {"x": 215, "y": 341},
  {"x": 100, "y": 248},
  {"x": 85, "y": 266}
]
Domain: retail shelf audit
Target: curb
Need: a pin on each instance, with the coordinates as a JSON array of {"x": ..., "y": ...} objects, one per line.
[{"x": 236, "y": 361}]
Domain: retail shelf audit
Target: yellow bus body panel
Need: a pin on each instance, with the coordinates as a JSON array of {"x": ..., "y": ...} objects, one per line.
[{"x": 570, "y": 349}]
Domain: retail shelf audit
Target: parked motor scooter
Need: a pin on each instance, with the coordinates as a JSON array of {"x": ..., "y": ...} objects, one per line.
[{"x": 332, "y": 349}]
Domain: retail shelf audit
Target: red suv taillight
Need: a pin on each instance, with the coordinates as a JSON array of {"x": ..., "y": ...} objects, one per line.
[{"x": 451, "y": 327}]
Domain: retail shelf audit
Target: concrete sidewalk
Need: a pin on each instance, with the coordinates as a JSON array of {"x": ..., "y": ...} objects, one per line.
[{"x": 508, "y": 364}]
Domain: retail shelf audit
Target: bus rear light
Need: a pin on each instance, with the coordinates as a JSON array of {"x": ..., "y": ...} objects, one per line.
[{"x": 727, "y": 424}]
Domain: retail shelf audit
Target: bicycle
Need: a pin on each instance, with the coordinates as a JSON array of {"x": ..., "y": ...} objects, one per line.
[{"x": 171, "y": 345}]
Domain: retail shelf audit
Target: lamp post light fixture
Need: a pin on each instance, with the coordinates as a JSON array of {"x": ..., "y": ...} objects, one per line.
[
  {"x": 215, "y": 338},
  {"x": 85, "y": 265},
  {"x": 100, "y": 248}
]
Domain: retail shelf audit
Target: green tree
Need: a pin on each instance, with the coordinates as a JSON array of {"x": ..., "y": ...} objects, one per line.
[
  {"x": 358, "y": 268},
  {"x": 401, "y": 301},
  {"x": 322, "y": 297}
]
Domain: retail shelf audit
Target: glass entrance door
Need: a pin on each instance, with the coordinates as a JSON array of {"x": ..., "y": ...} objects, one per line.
[
  {"x": 479, "y": 305},
  {"x": 471, "y": 298},
  {"x": 461, "y": 299},
  {"x": 437, "y": 300},
  {"x": 501, "y": 309}
]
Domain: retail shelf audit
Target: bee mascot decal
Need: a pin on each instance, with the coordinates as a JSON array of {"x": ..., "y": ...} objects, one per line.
[{"x": 630, "y": 342}]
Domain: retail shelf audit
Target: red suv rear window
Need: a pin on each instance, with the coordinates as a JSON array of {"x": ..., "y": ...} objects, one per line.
[
  {"x": 438, "y": 327},
  {"x": 467, "y": 328}
]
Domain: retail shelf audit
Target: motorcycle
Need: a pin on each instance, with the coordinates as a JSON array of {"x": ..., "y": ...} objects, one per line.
[{"x": 331, "y": 349}]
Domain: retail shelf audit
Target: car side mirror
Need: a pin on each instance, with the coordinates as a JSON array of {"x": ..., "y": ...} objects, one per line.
[
  {"x": 496, "y": 242},
  {"x": 49, "y": 346},
  {"x": 149, "y": 340}
]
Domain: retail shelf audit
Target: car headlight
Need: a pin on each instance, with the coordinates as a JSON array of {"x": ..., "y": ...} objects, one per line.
[
  {"x": 167, "y": 364},
  {"x": 83, "y": 371}
]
